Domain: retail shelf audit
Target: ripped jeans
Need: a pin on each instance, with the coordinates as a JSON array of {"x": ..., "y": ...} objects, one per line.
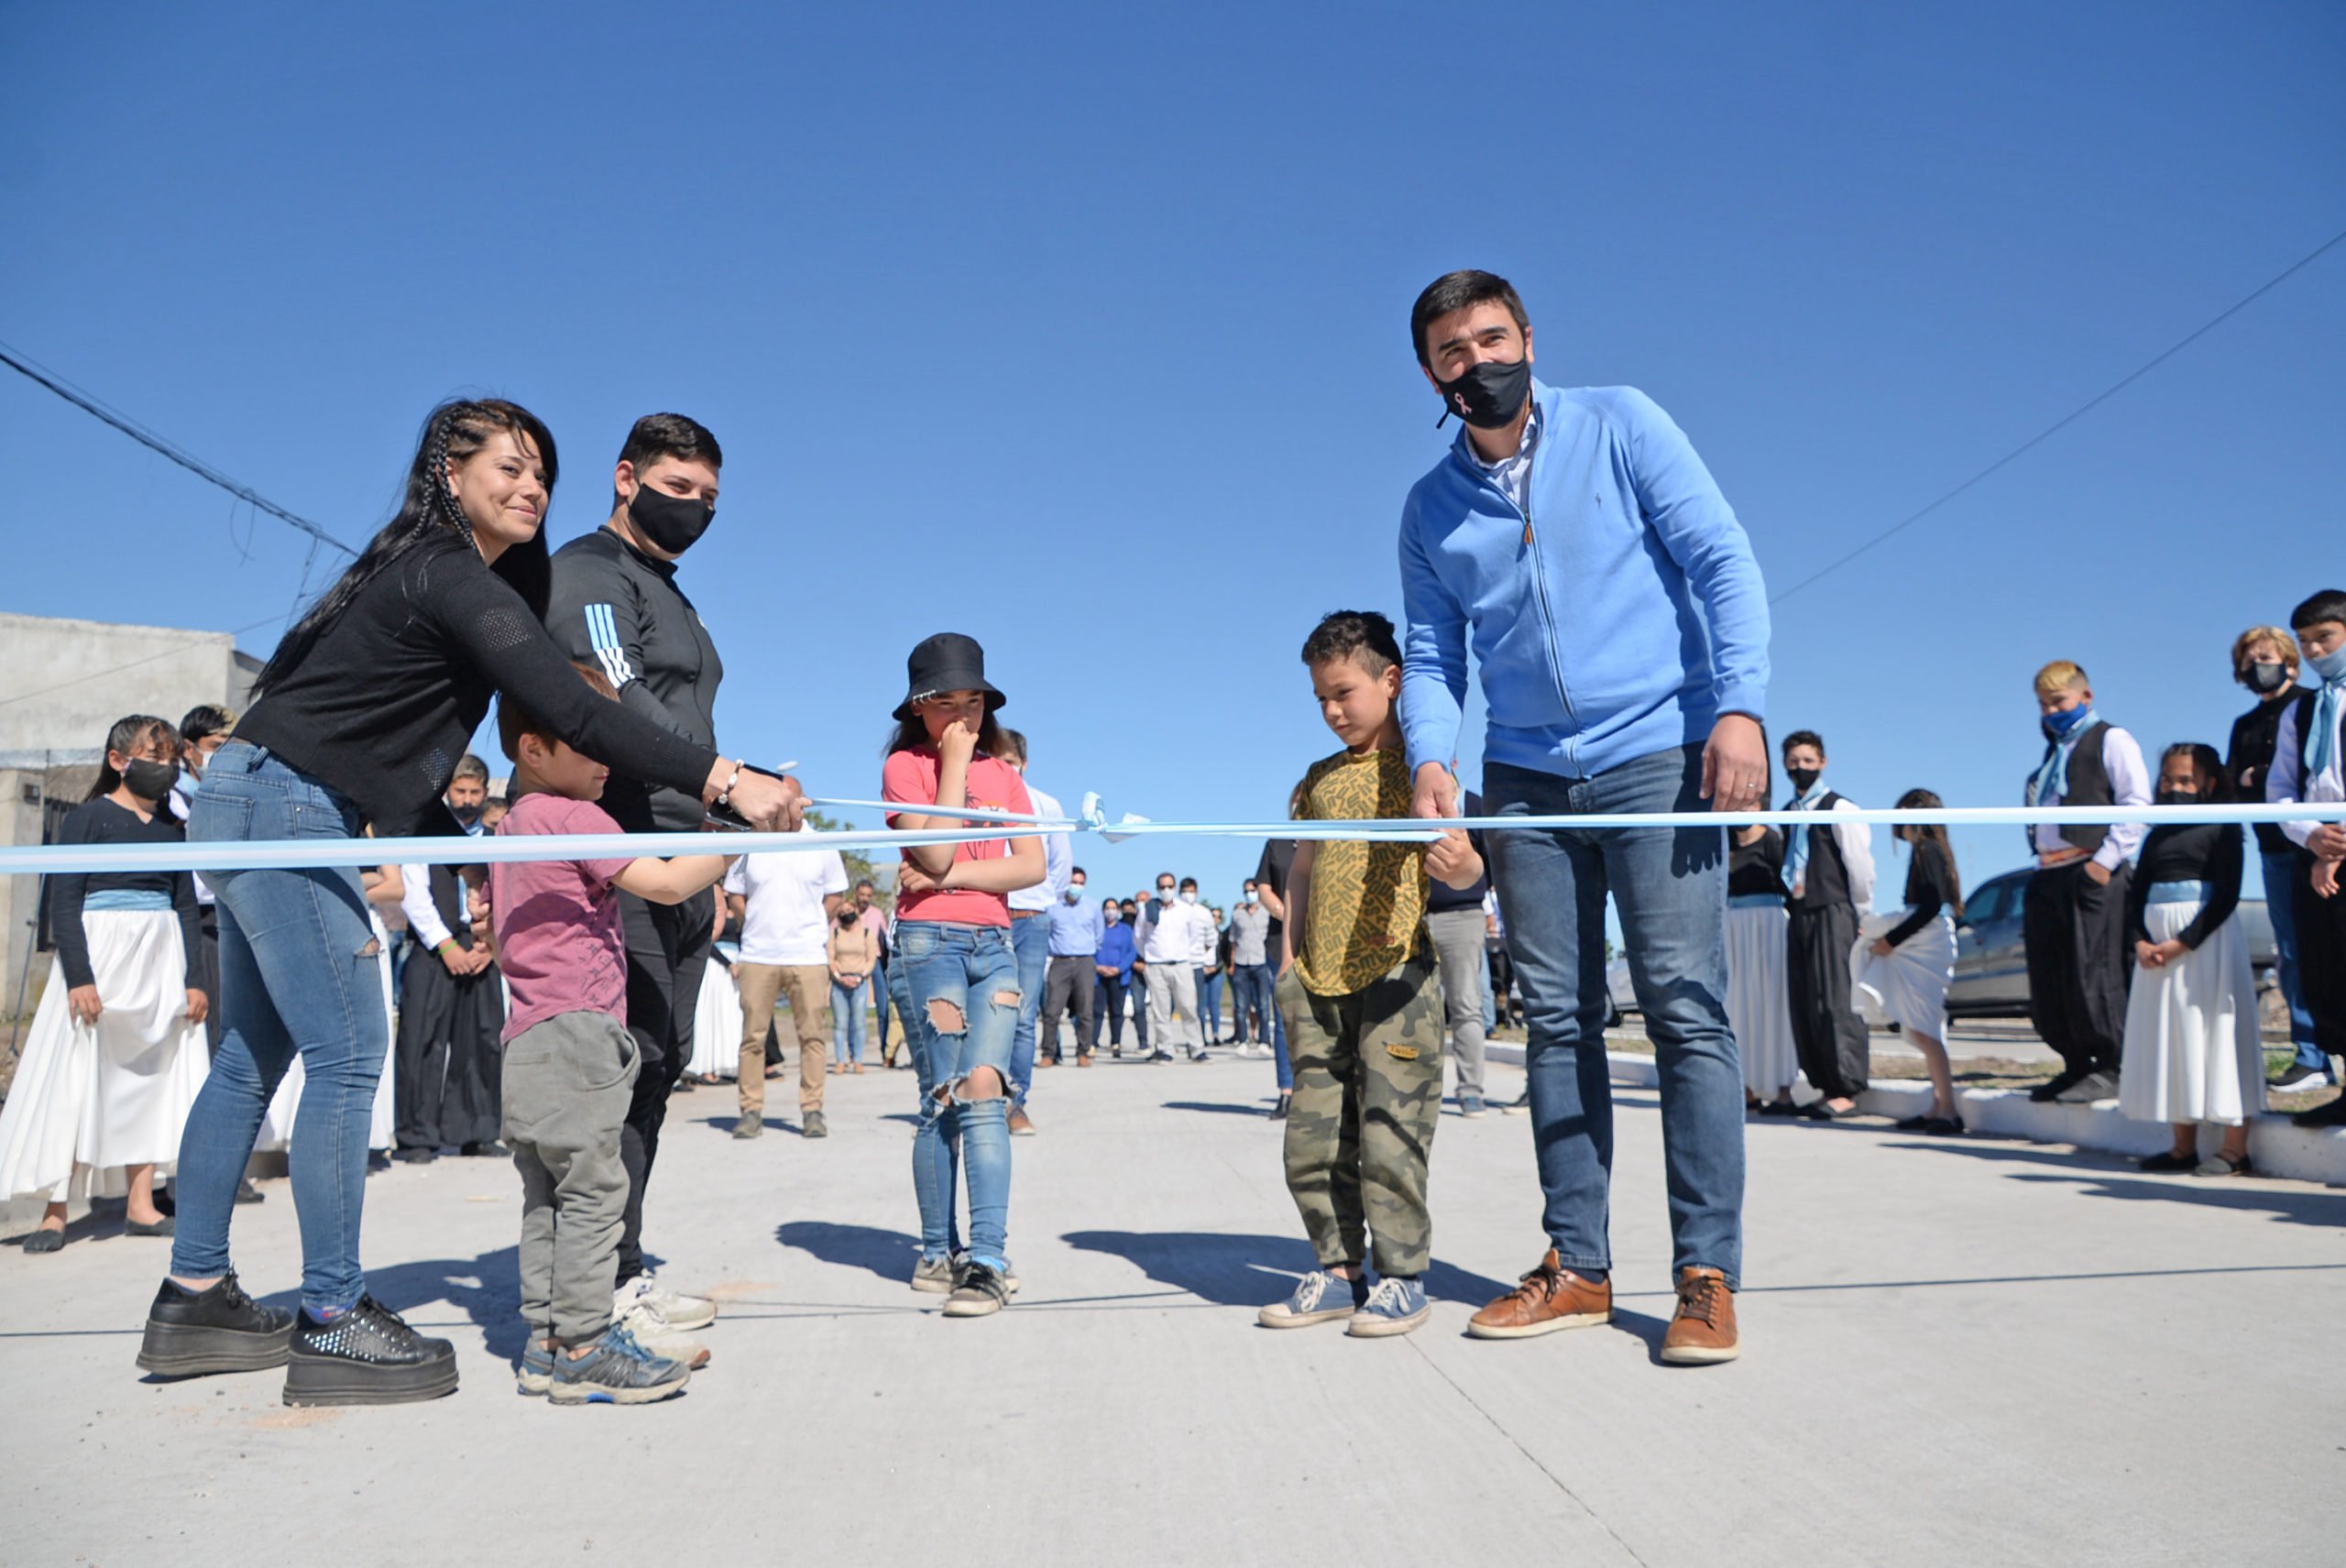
[{"x": 962, "y": 982}]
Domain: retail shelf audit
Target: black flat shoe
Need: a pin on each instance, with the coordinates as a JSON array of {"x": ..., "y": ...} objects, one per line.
[
  {"x": 191, "y": 1332},
  {"x": 162, "y": 1227},
  {"x": 1779, "y": 1108},
  {"x": 1915, "y": 1123},
  {"x": 1944, "y": 1126},
  {"x": 247, "y": 1193},
  {"x": 1819, "y": 1111},
  {"x": 2168, "y": 1162},
  {"x": 416, "y": 1157},
  {"x": 1279, "y": 1112},
  {"x": 490, "y": 1150},
  {"x": 46, "y": 1240},
  {"x": 2331, "y": 1114}
]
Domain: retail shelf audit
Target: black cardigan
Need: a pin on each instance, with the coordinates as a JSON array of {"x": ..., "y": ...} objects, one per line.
[
  {"x": 381, "y": 708},
  {"x": 101, "y": 821},
  {"x": 2211, "y": 853}
]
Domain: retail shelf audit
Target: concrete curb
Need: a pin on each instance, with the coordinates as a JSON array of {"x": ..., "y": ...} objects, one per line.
[{"x": 2274, "y": 1147}]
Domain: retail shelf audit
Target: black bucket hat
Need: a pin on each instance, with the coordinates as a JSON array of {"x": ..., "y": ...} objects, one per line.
[{"x": 947, "y": 662}]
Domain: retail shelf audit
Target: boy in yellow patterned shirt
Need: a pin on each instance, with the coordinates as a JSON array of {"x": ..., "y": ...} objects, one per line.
[{"x": 1364, "y": 1014}]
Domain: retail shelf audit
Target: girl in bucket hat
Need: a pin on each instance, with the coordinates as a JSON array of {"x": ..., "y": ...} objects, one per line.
[{"x": 953, "y": 940}]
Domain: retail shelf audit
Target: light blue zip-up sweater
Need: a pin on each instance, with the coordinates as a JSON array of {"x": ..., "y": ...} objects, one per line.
[{"x": 1620, "y": 619}]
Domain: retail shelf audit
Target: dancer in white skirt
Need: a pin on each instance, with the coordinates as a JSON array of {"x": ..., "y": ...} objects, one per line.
[
  {"x": 1758, "y": 1008},
  {"x": 717, "y": 1021},
  {"x": 2192, "y": 1053},
  {"x": 1904, "y": 962},
  {"x": 116, "y": 1053}
]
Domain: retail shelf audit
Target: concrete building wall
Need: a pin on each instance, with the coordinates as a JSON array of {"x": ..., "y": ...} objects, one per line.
[{"x": 62, "y": 685}]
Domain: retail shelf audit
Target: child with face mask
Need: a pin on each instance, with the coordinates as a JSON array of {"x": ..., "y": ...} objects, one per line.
[
  {"x": 116, "y": 1053},
  {"x": 1906, "y": 960},
  {"x": 2310, "y": 766},
  {"x": 2191, "y": 1049}
]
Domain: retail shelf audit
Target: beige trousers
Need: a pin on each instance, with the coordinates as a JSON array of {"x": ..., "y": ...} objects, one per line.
[{"x": 809, "y": 989}]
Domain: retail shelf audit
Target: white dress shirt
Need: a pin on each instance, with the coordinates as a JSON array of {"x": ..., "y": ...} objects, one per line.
[
  {"x": 423, "y": 922},
  {"x": 1173, "y": 935},
  {"x": 2283, "y": 782},
  {"x": 1058, "y": 861}
]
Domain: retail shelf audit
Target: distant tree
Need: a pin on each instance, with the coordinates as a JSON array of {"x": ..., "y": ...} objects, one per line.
[{"x": 859, "y": 864}]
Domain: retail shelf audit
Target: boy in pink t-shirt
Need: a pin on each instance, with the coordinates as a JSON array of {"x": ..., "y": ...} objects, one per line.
[{"x": 570, "y": 1067}]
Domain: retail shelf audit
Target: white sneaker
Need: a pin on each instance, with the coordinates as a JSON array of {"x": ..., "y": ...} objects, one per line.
[
  {"x": 673, "y": 1310},
  {"x": 656, "y": 1336}
]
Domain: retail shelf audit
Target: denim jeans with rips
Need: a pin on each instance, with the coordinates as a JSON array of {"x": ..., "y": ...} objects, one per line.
[
  {"x": 1668, "y": 885},
  {"x": 1030, "y": 940},
  {"x": 296, "y": 974},
  {"x": 962, "y": 982}
]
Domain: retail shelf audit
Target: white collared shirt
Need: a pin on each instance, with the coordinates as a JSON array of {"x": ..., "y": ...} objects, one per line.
[{"x": 1512, "y": 475}]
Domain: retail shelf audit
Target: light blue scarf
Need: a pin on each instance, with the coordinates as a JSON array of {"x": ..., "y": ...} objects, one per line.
[
  {"x": 2322, "y": 745},
  {"x": 1796, "y": 841},
  {"x": 2056, "y": 759}
]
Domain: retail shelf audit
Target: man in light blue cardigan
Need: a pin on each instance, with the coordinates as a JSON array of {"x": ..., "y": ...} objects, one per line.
[{"x": 1573, "y": 541}]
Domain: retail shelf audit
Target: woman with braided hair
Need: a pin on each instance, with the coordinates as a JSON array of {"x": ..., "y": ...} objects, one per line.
[{"x": 359, "y": 719}]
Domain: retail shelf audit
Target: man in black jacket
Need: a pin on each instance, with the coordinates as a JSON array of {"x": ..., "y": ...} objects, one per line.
[{"x": 615, "y": 604}]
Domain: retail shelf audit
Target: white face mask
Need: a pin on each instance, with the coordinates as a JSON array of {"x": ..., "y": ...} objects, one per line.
[
  {"x": 1189, "y": 898},
  {"x": 1164, "y": 895},
  {"x": 1075, "y": 893},
  {"x": 1251, "y": 896}
]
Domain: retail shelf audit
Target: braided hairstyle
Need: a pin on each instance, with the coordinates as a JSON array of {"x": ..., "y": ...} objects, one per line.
[{"x": 428, "y": 513}]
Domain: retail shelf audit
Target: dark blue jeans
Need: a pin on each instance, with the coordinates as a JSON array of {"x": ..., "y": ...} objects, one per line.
[
  {"x": 2279, "y": 870},
  {"x": 296, "y": 974},
  {"x": 1210, "y": 1004},
  {"x": 1250, "y": 988},
  {"x": 1031, "y": 939},
  {"x": 1669, "y": 887}
]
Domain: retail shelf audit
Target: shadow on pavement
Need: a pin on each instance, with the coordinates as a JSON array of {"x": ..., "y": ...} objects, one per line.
[
  {"x": 1257, "y": 1110},
  {"x": 487, "y": 1290},
  {"x": 2248, "y": 1194},
  {"x": 888, "y": 1253},
  {"x": 1249, "y": 1271}
]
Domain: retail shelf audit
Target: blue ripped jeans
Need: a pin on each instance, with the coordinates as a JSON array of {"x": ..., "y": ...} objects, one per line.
[
  {"x": 970, "y": 974},
  {"x": 297, "y": 974}
]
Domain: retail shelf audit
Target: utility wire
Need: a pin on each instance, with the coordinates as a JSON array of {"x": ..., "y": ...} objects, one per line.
[
  {"x": 2073, "y": 416},
  {"x": 117, "y": 669},
  {"x": 147, "y": 438}
]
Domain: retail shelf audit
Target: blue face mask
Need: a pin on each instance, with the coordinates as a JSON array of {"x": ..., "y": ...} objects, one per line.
[
  {"x": 2330, "y": 666},
  {"x": 2058, "y": 725}
]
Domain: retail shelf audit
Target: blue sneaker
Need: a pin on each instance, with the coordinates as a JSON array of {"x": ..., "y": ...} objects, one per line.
[
  {"x": 1320, "y": 1297},
  {"x": 536, "y": 1371},
  {"x": 1395, "y": 1307},
  {"x": 1470, "y": 1105},
  {"x": 616, "y": 1370}
]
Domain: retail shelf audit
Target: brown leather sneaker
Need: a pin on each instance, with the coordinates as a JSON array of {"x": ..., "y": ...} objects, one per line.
[
  {"x": 1551, "y": 1297},
  {"x": 1703, "y": 1331}
]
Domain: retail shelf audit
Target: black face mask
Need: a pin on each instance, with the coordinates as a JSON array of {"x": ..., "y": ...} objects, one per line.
[
  {"x": 674, "y": 523},
  {"x": 149, "y": 781},
  {"x": 2180, "y": 797},
  {"x": 468, "y": 814},
  {"x": 1487, "y": 395},
  {"x": 1804, "y": 779},
  {"x": 2264, "y": 678}
]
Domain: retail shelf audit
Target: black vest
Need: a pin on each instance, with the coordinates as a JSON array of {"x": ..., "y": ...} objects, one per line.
[
  {"x": 2085, "y": 783},
  {"x": 1827, "y": 880},
  {"x": 448, "y": 898}
]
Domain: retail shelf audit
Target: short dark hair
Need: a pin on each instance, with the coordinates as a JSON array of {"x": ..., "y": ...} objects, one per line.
[
  {"x": 1458, "y": 291},
  {"x": 514, "y": 720},
  {"x": 204, "y": 720},
  {"x": 669, "y": 436},
  {"x": 1189, "y": 881},
  {"x": 2329, "y": 604},
  {"x": 2206, "y": 760},
  {"x": 1078, "y": 871},
  {"x": 1804, "y": 738},
  {"x": 1010, "y": 745},
  {"x": 1359, "y": 634}
]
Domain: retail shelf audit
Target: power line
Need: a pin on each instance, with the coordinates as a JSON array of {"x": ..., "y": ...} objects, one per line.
[
  {"x": 2074, "y": 415},
  {"x": 147, "y": 438}
]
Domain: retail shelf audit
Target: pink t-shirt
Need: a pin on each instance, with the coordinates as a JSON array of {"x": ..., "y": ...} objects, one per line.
[
  {"x": 910, "y": 777},
  {"x": 558, "y": 922}
]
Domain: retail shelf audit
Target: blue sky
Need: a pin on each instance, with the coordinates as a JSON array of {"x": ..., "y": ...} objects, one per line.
[{"x": 1083, "y": 330}]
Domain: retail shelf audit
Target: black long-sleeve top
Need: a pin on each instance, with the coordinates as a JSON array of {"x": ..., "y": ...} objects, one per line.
[
  {"x": 2255, "y": 734},
  {"x": 1757, "y": 867},
  {"x": 2209, "y": 852},
  {"x": 101, "y": 821},
  {"x": 382, "y": 705},
  {"x": 1930, "y": 887}
]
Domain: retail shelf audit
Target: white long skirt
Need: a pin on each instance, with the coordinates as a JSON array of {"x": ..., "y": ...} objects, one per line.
[
  {"x": 717, "y": 1024},
  {"x": 88, "y": 1100},
  {"x": 277, "y": 1123},
  {"x": 1759, "y": 1002},
  {"x": 1909, "y": 987},
  {"x": 2192, "y": 1053}
]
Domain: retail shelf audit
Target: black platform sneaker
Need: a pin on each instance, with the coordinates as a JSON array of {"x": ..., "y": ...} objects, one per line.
[
  {"x": 367, "y": 1356},
  {"x": 189, "y": 1332}
]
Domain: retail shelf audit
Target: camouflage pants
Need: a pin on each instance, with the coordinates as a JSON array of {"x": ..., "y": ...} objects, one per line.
[{"x": 1367, "y": 1095}]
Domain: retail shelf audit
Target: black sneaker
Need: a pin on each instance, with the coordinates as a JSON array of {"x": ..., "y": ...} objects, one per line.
[
  {"x": 247, "y": 1193},
  {"x": 416, "y": 1155},
  {"x": 2330, "y": 1113},
  {"x": 367, "y": 1356},
  {"x": 2166, "y": 1161},
  {"x": 492, "y": 1149},
  {"x": 2058, "y": 1084},
  {"x": 1279, "y": 1112},
  {"x": 1520, "y": 1105},
  {"x": 191, "y": 1332},
  {"x": 2299, "y": 1079}
]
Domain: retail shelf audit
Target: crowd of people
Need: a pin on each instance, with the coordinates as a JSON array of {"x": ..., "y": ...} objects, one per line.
[{"x": 547, "y": 1010}]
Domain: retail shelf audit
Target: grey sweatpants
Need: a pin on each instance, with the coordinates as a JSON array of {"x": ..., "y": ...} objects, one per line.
[
  {"x": 568, "y": 1083},
  {"x": 1458, "y": 946}
]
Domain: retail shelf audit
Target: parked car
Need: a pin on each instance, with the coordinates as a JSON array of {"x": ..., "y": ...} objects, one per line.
[{"x": 1992, "y": 960}]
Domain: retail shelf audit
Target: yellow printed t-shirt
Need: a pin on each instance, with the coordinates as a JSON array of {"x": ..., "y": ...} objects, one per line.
[{"x": 1365, "y": 914}]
